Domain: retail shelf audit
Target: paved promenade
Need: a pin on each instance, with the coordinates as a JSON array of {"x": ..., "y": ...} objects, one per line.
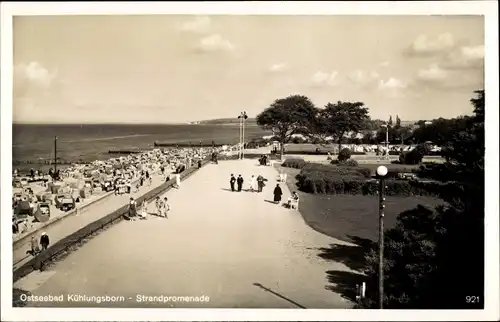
[
  {"x": 73, "y": 222},
  {"x": 236, "y": 248}
]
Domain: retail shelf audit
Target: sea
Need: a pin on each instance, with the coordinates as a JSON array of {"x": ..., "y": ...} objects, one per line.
[{"x": 87, "y": 142}]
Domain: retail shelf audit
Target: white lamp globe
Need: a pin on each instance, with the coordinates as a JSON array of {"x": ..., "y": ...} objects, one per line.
[{"x": 382, "y": 171}]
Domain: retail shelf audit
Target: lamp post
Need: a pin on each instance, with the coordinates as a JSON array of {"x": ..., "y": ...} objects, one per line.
[
  {"x": 240, "y": 130},
  {"x": 386, "y": 126},
  {"x": 381, "y": 173},
  {"x": 243, "y": 116}
]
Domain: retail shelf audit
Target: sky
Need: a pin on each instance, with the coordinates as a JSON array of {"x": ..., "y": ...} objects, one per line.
[{"x": 182, "y": 68}]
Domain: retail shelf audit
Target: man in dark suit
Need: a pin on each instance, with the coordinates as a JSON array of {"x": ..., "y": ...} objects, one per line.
[
  {"x": 239, "y": 181},
  {"x": 232, "y": 181}
]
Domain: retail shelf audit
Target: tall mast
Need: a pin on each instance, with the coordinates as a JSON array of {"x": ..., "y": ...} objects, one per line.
[{"x": 55, "y": 154}]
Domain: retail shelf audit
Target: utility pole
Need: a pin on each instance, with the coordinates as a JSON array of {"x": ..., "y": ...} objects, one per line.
[{"x": 55, "y": 154}]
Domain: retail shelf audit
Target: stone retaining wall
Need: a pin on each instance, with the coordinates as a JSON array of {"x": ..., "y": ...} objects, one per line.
[{"x": 88, "y": 230}]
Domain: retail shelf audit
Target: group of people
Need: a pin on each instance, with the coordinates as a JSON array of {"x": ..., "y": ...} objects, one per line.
[
  {"x": 141, "y": 211},
  {"x": 263, "y": 160},
  {"x": 256, "y": 184},
  {"x": 37, "y": 247}
]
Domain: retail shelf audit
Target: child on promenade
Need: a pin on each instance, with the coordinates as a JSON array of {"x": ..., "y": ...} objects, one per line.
[
  {"x": 35, "y": 248},
  {"x": 166, "y": 207},
  {"x": 143, "y": 214},
  {"x": 158, "y": 205}
]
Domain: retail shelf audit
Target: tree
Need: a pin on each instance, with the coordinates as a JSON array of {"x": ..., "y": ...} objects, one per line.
[
  {"x": 398, "y": 121},
  {"x": 373, "y": 125},
  {"x": 343, "y": 117},
  {"x": 288, "y": 116},
  {"x": 435, "y": 258},
  {"x": 390, "y": 121}
]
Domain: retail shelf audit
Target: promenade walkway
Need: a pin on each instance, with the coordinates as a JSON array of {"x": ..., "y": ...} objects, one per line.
[
  {"x": 68, "y": 225},
  {"x": 239, "y": 249}
]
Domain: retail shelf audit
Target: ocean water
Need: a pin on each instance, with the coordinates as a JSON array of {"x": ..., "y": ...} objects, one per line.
[{"x": 88, "y": 142}]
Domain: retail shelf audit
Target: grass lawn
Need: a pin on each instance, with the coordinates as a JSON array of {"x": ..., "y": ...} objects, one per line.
[{"x": 347, "y": 216}]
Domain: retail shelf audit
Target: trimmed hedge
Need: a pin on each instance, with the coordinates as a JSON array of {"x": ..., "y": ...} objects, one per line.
[
  {"x": 321, "y": 152},
  {"x": 313, "y": 173},
  {"x": 355, "y": 186},
  {"x": 429, "y": 153},
  {"x": 295, "y": 163},
  {"x": 348, "y": 163},
  {"x": 326, "y": 169},
  {"x": 247, "y": 156}
]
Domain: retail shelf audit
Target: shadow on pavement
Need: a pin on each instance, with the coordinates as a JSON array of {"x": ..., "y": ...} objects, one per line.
[
  {"x": 354, "y": 257},
  {"x": 279, "y": 295},
  {"x": 351, "y": 256},
  {"x": 344, "y": 283}
]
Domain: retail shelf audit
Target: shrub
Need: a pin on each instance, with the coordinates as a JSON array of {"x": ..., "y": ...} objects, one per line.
[
  {"x": 295, "y": 163},
  {"x": 393, "y": 173},
  {"x": 345, "y": 154},
  {"x": 423, "y": 149},
  {"x": 411, "y": 157},
  {"x": 298, "y": 140},
  {"x": 348, "y": 163}
]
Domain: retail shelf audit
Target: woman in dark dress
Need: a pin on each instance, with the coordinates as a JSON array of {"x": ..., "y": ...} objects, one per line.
[{"x": 277, "y": 193}]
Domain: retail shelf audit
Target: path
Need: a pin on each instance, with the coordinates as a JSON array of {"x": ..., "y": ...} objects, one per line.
[
  {"x": 68, "y": 225},
  {"x": 236, "y": 248}
]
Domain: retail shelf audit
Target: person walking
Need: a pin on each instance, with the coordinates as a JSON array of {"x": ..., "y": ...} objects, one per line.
[
  {"x": 252, "y": 184},
  {"x": 166, "y": 207},
  {"x": 35, "y": 248},
  {"x": 232, "y": 180},
  {"x": 158, "y": 205},
  {"x": 132, "y": 208},
  {"x": 260, "y": 183},
  {"x": 277, "y": 193},
  {"x": 177, "y": 181},
  {"x": 143, "y": 214},
  {"x": 239, "y": 182},
  {"x": 44, "y": 241}
]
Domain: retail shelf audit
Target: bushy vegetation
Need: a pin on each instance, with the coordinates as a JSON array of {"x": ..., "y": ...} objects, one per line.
[
  {"x": 434, "y": 258},
  {"x": 344, "y": 155},
  {"x": 348, "y": 163},
  {"x": 295, "y": 163},
  {"x": 354, "y": 184},
  {"x": 327, "y": 169}
]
